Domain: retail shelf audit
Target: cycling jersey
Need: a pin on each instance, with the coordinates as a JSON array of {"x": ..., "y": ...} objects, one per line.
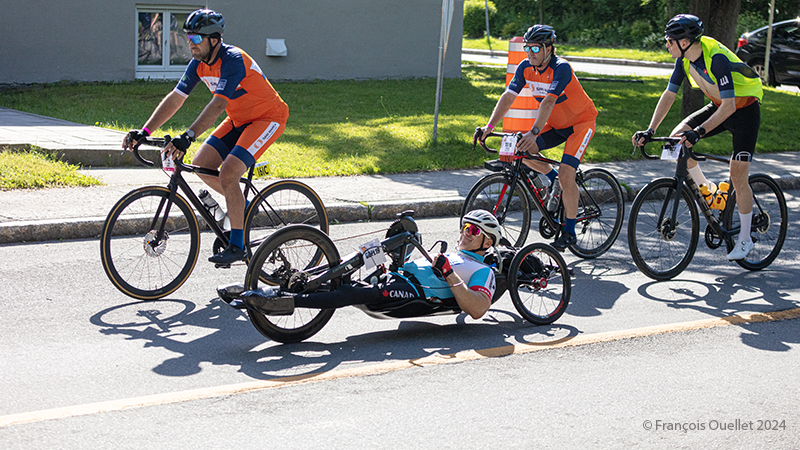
[
  {"x": 720, "y": 74},
  {"x": 467, "y": 265},
  {"x": 236, "y": 77}
]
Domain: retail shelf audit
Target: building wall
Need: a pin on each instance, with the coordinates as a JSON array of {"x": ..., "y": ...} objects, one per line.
[{"x": 95, "y": 40}]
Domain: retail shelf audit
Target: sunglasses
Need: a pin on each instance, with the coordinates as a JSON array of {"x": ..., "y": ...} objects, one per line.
[
  {"x": 195, "y": 39},
  {"x": 669, "y": 41},
  {"x": 471, "y": 230},
  {"x": 533, "y": 48}
]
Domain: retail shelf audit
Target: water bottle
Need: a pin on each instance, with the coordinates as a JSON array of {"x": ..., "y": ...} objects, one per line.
[
  {"x": 708, "y": 191},
  {"x": 555, "y": 196},
  {"x": 721, "y": 198},
  {"x": 539, "y": 186},
  {"x": 213, "y": 207}
]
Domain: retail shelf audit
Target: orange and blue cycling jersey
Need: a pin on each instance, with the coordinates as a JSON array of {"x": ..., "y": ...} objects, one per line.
[
  {"x": 573, "y": 106},
  {"x": 234, "y": 76}
]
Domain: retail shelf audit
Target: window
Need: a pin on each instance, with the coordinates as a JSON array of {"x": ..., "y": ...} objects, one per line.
[{"x": 159, "y": 53}]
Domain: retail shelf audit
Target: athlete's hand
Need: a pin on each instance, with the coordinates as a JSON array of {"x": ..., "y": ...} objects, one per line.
[
  {"x": 178, "y": 145},
  {"x": 689, "y": 138},
  {"x": 441, "y": 266},
  {"x": 528, "y": 143},
  {"x": 640, "y": 137},
  {"x": 132, "y": 138}
]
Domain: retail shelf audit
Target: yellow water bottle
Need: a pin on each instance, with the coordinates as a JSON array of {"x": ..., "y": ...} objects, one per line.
[
  {"x": 708, "y": 191},
  {"x": 722, "y": 196}
]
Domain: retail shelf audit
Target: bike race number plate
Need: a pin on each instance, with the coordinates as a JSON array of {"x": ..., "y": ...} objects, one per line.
[
  {"x": 373, "y": 254},
  {"x": 671, "y": 152},
  {"x": 507, "y": 148}
]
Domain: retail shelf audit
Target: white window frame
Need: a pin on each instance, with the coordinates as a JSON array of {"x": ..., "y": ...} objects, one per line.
[{"x": 165, "y": 71}]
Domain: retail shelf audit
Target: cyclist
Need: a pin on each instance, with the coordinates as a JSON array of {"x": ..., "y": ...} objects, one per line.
[
  {"x": 462, "y": 277},
  {"x": 566, "y": 114},
  {"x": 256, "y": 117},
  {"x": 735, "y": 93}
]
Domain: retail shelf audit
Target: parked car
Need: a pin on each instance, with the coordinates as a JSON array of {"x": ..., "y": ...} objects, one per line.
[{"x": 784, "y": 58}]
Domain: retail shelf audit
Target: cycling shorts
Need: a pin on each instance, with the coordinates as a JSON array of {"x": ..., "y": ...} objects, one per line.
[
  {"x": 743, "y": 125},
  {"x": 247, "y": 142},
  {"x": 392, "y": 287},
  {"x": 577, "y": 138}
]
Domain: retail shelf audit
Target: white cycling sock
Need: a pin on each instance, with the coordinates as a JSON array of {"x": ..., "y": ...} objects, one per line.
[
  {"x": 698, "y": 176},
  {"x": 744, "y": 232}
]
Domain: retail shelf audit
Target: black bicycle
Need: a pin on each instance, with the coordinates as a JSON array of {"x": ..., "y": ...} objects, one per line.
[
  {"x": 664, "y": 226},
  {"x": 536, "y": 277},
  {"x": 518, "y": 198},
  {"x": 151, "y": 238}
]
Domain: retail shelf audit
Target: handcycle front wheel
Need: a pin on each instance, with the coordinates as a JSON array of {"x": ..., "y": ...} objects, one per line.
[
  {"x": 492, "y": 193},
  {"x": 661, "y": 246},
  {"x": 288, "y": 258},
  {"x": 539, "y": 283},
  {"x": 138, "y": 264},
  {"x": 769, "y": 222},
  {"x": 601, "y": 210}
]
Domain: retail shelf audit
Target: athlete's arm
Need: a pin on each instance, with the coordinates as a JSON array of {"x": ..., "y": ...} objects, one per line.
[
  {"x": 500, "y": 110},
  {"x": 204, "y": 121},
  {"x": 171, "y": 103},
  {"x": 528, "y": 142},
  {"x": 474, "y": 303}
]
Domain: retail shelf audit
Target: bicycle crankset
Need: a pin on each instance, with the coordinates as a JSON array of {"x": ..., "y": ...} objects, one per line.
[
  {"x": 545, "y": 229},
  {"x": 713, "y": 241}
]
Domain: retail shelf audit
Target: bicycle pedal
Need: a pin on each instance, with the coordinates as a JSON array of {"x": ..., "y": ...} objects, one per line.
[
  {"x": 571, "y": 271},
  {"x": 222, "y": 266}
]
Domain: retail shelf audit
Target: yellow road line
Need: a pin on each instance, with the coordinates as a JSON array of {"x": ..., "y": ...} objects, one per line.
[{"x": 387, "y": 367}]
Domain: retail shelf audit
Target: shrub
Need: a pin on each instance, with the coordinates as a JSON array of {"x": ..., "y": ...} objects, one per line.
[{"x": 475, "y": 17}]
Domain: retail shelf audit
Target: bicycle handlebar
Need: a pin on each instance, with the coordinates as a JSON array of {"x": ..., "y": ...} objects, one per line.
[
  {"x": 476, "y": 139},
  {"x": 671, "y": 140},
  {"x": 153, "y": 141}
]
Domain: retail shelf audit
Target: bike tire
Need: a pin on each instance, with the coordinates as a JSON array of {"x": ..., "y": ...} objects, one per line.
[
  {"x": 601, "y": 211},
  {"x": 280, "y": 204},
  {"x": 282, "y": 259},
  {"x": 769, "y": 223},
  {"x": 131, "y": 262},
  {"x": 540, "y": 294},
  {"x": 490, "y": 193},
  {"x": 660, "y": 250}
]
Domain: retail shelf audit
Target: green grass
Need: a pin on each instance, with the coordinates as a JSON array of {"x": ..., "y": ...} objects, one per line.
[
  {"x": 566, "y": 50},
  {"x": 380, "y": 127},
  {"x": 37, "y": 169}
]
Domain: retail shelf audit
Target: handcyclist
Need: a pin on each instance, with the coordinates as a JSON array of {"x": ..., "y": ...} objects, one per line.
[
  {"x": 566, "y": 114},
  {"x": 461, "y": 277},
  {"x": 256, "y": 117},
  {"x": 735, "y": 92}
]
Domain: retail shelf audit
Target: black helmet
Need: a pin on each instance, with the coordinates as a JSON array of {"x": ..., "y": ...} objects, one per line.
[
  {"x": 205, "y": 22},
  {"x": 540, "y": 34},
  {"x": 684, "y": 26}
]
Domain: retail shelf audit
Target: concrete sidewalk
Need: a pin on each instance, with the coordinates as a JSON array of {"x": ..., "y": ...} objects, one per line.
[{"x": 77, "y": 213}]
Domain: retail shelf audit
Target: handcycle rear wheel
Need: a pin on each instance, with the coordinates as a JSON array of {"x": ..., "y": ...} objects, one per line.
[
  {"x": 491, "y": 193},
  {"x": 135, "y": 263},
  {"x": 661, "y": 247},
  {"x": 539, "y": 283},
  {"x": 601, "y": 210},
  {"x": 287, "y": 259},
  {"x": 769, "y": 222}
]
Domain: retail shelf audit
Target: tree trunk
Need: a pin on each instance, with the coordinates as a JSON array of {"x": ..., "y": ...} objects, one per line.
[{"x": 719, "y": 19}]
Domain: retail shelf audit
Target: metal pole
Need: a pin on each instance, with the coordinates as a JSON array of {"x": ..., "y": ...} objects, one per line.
[
  {"x": 488, "y": 36},
  {"x": 444, "y": 36},
  {"x": 769, "y": 44}
]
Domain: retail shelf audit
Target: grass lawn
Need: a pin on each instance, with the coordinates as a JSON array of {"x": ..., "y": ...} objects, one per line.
[{"x": 660, "y": 55}]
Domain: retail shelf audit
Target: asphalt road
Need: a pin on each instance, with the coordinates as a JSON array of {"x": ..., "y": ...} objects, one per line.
[{"x": 631, "y": 363}]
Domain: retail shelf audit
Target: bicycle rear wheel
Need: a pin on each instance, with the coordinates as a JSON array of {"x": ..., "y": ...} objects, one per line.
[
  {"x": 135, "y": 262},
  {"x": 288, "y": 258},
  {"x": 769, "y": 223},
  {"x": 539, "y": 283},
  {"x": 280, "y": 204},
  {"x": 492, "y": 194},
  {"x": 601, "y": 210},
  {"x": 660, "y": 246}
]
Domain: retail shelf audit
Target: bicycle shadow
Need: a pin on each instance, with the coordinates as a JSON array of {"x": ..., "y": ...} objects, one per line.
[
  {"x": 219, "y": 335},
  {"x": 732, "y": 295},
  {"x": 593, "y": 277}
]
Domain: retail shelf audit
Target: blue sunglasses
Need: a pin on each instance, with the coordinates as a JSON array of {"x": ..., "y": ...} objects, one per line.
[
  {"x": 195, "y": 39},
  {"x": 533, "y": 48}
]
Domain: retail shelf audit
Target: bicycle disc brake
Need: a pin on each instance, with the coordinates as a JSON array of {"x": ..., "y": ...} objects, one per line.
[
  {"x": 761, "y": 222},
  {"x": 668, "y": 229},
  {"x": 713, "y": 241},
  {"x": 153, "y": 248}
]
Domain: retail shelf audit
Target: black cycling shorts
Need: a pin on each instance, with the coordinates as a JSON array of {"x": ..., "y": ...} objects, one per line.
[{"x": 743, "y": 125}]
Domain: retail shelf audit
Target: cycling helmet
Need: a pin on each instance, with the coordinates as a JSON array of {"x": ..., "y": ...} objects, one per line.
[
  {"x": 684, "y": 26},
  {"x": 205, "y": 22},
  {"x": 486, "y": 222},
  {"x": 540, "y": 34}
]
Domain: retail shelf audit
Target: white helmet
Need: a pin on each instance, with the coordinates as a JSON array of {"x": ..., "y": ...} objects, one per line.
[{"x": 486, "y": 221}]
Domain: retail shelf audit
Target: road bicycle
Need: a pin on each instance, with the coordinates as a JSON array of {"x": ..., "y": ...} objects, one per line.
[
  {"x": 536, "y": 277},
  {"x": 517, "y": 197},
  {"x": 664, "y": 226},
  {"x": 150, "y": 240}
]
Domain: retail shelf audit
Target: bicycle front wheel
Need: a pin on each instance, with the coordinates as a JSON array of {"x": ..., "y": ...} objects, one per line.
[
  {"x": 662, "y": 246},
  {"x": 138, "y": 263},
  {"x": 539, "y": 283},
  {"x": 601, "y": 210},
  {"x": 769, "y": 222},
  {"x": 512, "y": 207},
  {"x": 289, "y": 258},
  {"x": 280, "y": 204}
]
